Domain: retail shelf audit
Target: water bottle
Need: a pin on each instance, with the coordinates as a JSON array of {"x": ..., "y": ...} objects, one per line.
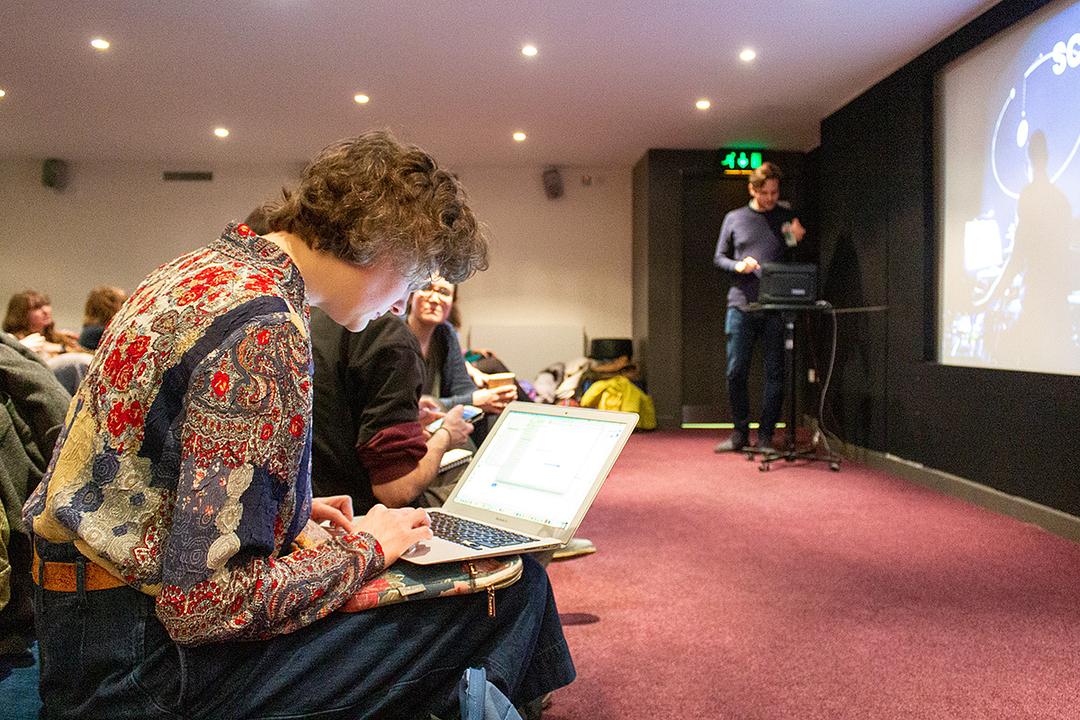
[{"x": 789, "y": 237}]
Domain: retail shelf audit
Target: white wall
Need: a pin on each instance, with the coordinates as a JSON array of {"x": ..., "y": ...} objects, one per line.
[
  {"x": 113, "y": 224},
  {"x": 553, "y": 262}
]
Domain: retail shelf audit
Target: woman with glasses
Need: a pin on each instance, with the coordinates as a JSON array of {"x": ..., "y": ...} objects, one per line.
[{"x": 446, "y": 376}]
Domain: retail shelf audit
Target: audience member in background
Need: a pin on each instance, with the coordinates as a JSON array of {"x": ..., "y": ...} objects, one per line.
[
  {"x": 431, "y": 306},
  {"x": 445, "y": 374},
  {"x": 482, "y": 363},
  {"x": 32, "y": 409},
  {"x": 760, "y": 232},
  {"x": 29, "y": 318},
  {"x": 182, "y": 478},
  {"x": 369, "y": 440},
  {"x": 101, "y": 304}
]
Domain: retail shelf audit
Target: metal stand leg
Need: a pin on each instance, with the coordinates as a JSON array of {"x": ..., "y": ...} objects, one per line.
[{"x": 793, "y": 453}]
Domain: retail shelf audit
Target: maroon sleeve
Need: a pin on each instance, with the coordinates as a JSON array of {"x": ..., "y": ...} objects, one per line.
[{"x": 392, "y": 452}]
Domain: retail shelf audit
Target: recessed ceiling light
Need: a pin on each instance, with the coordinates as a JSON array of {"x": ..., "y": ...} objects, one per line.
[
  {"x": 221, "y": 132},
  {"x": 99, "y": 44},
  {"x": 361, "y": 99},
  {"x": 528, "y": 50},
  {"x": 2, "y": 92},
  {"x": 747, "y": 55},
  {"x": 519, "y": 136},
  {"x": 703, "y": 104}
]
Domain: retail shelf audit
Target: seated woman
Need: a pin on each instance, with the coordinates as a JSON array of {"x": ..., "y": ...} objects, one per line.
[
  {"x": 101, "y": 304},
  {"x": 165, "y": 526},
  {"x": 29, "y": 318},
  {"x": 446, "y": 376}
]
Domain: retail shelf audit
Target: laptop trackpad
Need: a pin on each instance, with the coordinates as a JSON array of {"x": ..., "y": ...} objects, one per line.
[{"x": 418, "y": 550}]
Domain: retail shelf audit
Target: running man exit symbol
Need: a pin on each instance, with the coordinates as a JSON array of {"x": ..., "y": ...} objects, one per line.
[{"x": 739, "y": 161}]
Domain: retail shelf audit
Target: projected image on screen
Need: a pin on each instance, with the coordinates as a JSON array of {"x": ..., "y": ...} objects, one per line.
[{"x": 1008, "y": 136}]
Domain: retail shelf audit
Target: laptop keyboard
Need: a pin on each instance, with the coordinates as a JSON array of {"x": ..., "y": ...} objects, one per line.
[{"x": 472, "y": 534}]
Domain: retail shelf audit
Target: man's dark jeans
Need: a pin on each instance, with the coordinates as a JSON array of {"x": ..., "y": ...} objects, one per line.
[{"x": 743, "y": 330}]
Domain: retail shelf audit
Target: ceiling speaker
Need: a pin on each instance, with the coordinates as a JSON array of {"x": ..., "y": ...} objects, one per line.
[
  {"x": 553, "y": 186},
  {"x": 54, "y": 173}
]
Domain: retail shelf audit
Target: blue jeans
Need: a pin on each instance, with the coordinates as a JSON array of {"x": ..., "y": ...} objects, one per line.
[
  {"x": 104, "y": 654},
  {"x": 743, "y": 330}
]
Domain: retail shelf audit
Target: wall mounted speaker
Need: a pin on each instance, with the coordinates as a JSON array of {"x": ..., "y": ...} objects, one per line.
[
  {"x": 553, "y": 186},
  {"x": 54, "y": 173}
]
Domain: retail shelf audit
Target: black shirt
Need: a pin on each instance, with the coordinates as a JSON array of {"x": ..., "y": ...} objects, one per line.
[{"x": 367, "y": 386}]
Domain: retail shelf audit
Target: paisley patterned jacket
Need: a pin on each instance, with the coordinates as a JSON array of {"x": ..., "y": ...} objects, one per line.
[{"x": 184, "y": 463}]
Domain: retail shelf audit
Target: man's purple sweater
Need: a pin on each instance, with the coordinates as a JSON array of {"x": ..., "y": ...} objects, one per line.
[{"x": 749, "y": 232}]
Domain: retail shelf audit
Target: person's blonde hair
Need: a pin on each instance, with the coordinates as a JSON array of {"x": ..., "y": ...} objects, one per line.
[
  {"x": 371, "y": 197},
  {"x": 102, "y": 303},
  {"x": 763, "y": 173}
]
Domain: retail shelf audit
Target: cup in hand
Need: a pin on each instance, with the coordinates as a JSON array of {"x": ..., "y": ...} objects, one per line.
[
  {"x": 789, "y": 236},
  {"x": 500, "y": 379}
]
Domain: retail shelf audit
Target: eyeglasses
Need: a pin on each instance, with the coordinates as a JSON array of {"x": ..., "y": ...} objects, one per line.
[{"x": 441, "y": 290}]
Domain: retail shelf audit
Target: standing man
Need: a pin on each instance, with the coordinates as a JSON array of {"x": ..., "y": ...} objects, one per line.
[{"x": 760, "y": 232}]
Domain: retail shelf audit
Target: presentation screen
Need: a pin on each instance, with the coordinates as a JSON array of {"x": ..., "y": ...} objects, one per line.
[{"x": 1007, "y": 134}]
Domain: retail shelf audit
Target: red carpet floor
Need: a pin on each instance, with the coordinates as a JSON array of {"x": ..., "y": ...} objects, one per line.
[{"x": 723, "y": 592}]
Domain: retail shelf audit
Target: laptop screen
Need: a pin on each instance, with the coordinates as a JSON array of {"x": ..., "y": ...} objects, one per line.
[{"x": 539, "y": 467}]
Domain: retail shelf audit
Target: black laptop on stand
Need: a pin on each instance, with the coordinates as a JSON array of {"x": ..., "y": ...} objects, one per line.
[{"x": 788, "y": 284}]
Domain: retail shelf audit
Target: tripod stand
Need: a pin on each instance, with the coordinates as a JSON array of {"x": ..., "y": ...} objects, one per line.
[{"x": 790, "y": 313}]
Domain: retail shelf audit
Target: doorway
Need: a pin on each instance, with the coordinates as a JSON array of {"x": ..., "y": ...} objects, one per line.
[{"x": 706, "y": 197}]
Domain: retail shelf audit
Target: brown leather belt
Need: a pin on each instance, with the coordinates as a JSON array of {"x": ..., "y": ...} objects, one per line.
[{"x": 63, "y": 577}]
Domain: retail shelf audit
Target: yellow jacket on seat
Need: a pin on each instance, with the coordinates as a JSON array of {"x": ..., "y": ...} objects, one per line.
[{"x": 618, "y": 393}]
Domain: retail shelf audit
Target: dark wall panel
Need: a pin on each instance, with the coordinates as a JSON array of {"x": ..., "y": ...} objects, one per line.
[
  {"x": 658, "y": 253},
  {"x": 639, "y": 262},
  {"x": 853, "y": 199},
  {"x": 1017, "y": 432}
]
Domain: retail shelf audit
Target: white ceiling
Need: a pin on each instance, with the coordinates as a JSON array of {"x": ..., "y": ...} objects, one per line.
[{"x": 611, "y": 79}]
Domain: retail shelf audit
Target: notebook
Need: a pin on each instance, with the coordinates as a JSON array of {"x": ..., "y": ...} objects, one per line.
[
  {"x": 455, "y": 457},
  {"x": 529, "y": 485}
]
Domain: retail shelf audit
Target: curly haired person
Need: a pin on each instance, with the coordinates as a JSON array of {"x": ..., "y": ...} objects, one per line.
[{"x": 169, "y": 585}]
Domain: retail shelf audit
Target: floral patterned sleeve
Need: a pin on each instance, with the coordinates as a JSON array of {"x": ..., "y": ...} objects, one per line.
[{"x": 243, "y": 494}]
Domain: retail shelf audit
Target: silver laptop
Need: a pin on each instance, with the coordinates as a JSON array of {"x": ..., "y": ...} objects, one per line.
[{"x": 529, "y": 485}]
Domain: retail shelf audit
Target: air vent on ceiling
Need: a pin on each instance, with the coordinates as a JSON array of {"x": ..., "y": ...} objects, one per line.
[{"x": 187, "y": 176}]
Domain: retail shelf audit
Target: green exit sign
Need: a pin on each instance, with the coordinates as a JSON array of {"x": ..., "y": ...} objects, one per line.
[{"x": 740, "y": 161}]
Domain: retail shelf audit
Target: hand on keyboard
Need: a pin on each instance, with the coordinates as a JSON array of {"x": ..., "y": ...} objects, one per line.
[{"x": 396, "y": 530}]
